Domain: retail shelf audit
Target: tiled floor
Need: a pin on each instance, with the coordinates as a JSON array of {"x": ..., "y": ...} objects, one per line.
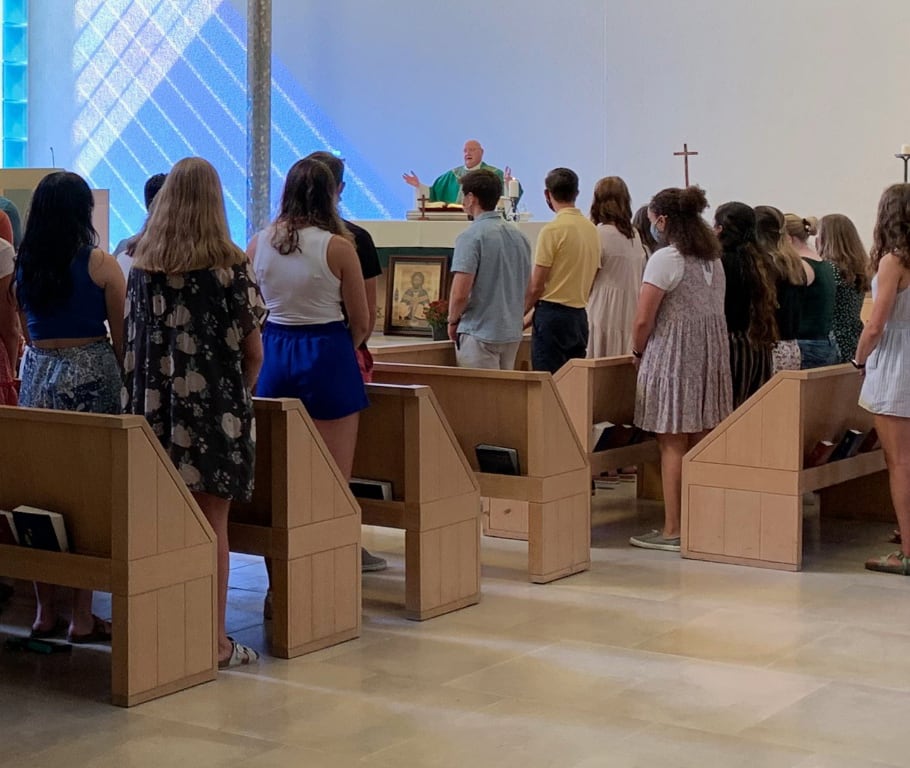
[{"x": 645, "y": 660}]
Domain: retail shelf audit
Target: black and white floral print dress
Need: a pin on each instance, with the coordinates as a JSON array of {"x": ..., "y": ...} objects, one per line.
[{"x": 183, "y": 366}]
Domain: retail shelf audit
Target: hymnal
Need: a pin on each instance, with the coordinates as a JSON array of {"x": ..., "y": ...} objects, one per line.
[
  {"x": 497, "y": 459},
  {"x": 821, "y": 453},
  {"x": 600, "y": 435},
  {"x": 8, "y": 533},
  {"x": 848, "y": 445},
  {"x": 363, "y": 488},
  {"x": 40, "y": 529}
]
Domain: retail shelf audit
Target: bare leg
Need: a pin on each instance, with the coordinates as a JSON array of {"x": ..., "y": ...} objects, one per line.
[
  {"x": 46, "y": 614},
  {"x": 340, "y": 436},
  {"x": 82, "y": 621},
  {"x": 895, "y": 436},
  {"x": 672, "y": 449},
  {"x": 215, "y": 510}
]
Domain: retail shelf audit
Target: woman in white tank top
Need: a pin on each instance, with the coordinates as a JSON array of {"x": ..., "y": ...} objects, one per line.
[{"x": 310, "y": 278}]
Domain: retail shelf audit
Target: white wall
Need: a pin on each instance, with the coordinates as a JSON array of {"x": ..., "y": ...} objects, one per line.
[{"x": 796, "y": 103}]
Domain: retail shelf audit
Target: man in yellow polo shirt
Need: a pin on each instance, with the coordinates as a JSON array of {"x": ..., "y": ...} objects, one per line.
[{"x": 567, "y": 258}]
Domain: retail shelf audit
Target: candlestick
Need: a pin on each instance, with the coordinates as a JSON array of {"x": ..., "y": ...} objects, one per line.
[
  {"x": 905, "y": 149},
  {"x": 514, "y": 187}
]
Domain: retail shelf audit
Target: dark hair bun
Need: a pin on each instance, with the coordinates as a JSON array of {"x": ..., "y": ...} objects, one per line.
[{"x": 692, "y": 201}]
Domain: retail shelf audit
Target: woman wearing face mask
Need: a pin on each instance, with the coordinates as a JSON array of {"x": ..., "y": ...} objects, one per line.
[{"x": 680, "y": 338}]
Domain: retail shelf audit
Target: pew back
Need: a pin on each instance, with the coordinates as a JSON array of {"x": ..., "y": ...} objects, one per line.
[{"x": 134, "y": 531}]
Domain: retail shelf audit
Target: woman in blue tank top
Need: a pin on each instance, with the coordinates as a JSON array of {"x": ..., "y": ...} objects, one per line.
[{"x": 67, "y": 289}]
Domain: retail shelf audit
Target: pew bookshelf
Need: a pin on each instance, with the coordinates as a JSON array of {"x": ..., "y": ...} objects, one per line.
[
  {"x": 134, "y": 530},
  {"x": 304, "y": 519},
  {"x": 404, "y": 438},
  {"x": 603, "y": 389},
  {"x": 743, "y": 485},
  {"x": 521, "y": 410}
]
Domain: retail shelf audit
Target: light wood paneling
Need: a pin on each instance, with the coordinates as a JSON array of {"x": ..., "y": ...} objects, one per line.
[
  {"x": 134, "y": 530},
  {"x": 743, "y": 485},
  {"x": 303, "y": 516},
  {"x": 405, "y": 438},
  {"x": 520, "y": 410}
]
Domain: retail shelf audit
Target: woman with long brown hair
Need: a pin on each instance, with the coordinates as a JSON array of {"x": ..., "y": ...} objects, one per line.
[
  {"x": 790, "y": 278},
  {"x": 614, "y": 294},
  {"x": 194, "y": 352},
  {"x": 883, "y": 355},
  {"x": 839, "y": 243},
  {"x": 749, "y": 302},
  {"x": 680, "y": 339}
]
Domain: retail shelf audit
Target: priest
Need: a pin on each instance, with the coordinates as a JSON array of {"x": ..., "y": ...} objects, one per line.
[{"x": 447, "y": 188}]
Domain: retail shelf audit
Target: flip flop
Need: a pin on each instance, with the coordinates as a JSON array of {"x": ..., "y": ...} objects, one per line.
[
  {"x": 895, "y": 562},
  {"x": 100, "y": 633}
]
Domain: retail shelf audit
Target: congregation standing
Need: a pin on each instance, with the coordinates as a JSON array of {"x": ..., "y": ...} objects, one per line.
[{"x": 708, "y": 315}]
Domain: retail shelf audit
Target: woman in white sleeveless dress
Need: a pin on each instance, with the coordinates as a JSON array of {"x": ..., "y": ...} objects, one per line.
[{"x": 883, "y": 356}]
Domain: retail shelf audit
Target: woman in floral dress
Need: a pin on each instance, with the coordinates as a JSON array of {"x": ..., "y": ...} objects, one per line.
[{"x": 194, "y": 351}]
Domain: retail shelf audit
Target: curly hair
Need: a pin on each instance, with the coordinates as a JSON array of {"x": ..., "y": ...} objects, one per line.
[
  {"x": 308, "y": 200},
  {"x": 892, "y": 226},
  {"x": 612, "y": 204},
  {"x": 685, "y": 228},
  {"x": 839, "y": 242},
  {"x": 773, "y": 240},
  {"x": 738, "y": 239}
]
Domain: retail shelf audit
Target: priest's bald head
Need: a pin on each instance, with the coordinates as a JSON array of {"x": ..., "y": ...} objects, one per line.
[{"x": 473, "y": 153}]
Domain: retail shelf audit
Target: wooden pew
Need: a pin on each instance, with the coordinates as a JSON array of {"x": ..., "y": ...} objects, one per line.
[
  {"x": 134, "y": 531},
  {"x": 404, "y": 438},
  {"x": 603, "y": 389},
  {"x": 305, "y": 519},
  {"x": 743, "y": 485},
  {"x": 520, "y": 410},
  {"x": 439, "y": 353}
]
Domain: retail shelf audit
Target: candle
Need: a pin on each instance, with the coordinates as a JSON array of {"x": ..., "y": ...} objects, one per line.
[
  {"x": 515, "y": 189},
  {"x": 905, "y": 149}
]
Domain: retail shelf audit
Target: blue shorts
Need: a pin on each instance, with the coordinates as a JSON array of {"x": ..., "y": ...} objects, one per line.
[{"x": 315, "y": 363}]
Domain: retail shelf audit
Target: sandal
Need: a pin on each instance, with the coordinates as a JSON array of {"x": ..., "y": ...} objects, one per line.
[
  {"x": 100, "y": 633},
  {"x": 58, "y": 628},
  {"x": 895, "y": 562},
  {"x": 241, "y": 656}
]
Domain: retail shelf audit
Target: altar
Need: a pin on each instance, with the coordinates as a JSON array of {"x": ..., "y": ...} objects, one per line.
[
  {"x": 427, "y": 234},
  {"x": 418, "y": 241}
]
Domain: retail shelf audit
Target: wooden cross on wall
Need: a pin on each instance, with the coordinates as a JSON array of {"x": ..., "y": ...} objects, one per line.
[{"x": 685, "y": 154}]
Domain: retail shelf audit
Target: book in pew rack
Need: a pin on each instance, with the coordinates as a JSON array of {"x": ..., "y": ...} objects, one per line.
[
  {"x": 364, "y": 488},
  {"x": 40, "y": 529},
  {"x": 848, "y": 446},
  {"x": 821, "y": 453},
  {"x": 8, "y": 533},
  {"x": 497, "y": 459}
]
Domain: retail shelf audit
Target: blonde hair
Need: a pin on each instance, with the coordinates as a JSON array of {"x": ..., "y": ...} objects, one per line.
[
  {"x": 799, "y": 227},
  {"x": 772, "y": 238},
  {"x": 187, "y": 227},
  {"x": 839, "y": 243}
]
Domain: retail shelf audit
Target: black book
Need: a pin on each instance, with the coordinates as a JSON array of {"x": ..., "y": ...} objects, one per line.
[
  {"x": 8, "y": 533},
  {"x": 848, "y": 446},
  {"x": 40, "y": 529},
  {"x": 497, "y": 459},
  {"x": 601, "y": 435},
  {"x": 363, "y": 488}
]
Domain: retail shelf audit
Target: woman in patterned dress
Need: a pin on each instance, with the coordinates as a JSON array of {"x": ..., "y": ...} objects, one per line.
[
  {"x": 838, "y": 242},
  {"x": 9, "y": 326},
  {"x": 680, "y": 343},
  {"x": 194, "y": 351},
  {"x": 883, "y": 356}
]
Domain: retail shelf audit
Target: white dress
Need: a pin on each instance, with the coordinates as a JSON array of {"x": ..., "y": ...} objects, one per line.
[
  {"x": 886, "y": 386},
  {"x": 614, "y": 295}
]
